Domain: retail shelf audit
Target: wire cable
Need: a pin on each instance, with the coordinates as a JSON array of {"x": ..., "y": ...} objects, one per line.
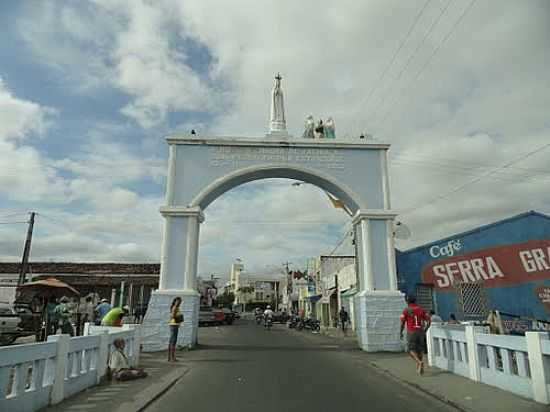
[
  {"x": 475, "y": 180},
  {"x": 428, "y": 61},
  {"x": 391, "y": 61},
  {"x": 13, "y": 214},
  {"x": 411, "y": 57},
  {"x": 513, "y": 176}
]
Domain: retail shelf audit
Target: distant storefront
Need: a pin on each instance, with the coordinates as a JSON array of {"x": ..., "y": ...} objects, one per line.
[
  {"x": 134, "y": 282},
  {"x": 502, "y": 266}
]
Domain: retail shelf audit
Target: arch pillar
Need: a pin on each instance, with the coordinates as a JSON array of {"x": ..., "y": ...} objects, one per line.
[
  {"x": 178, "y": 274},
  {"x": 379, "y": 303}
]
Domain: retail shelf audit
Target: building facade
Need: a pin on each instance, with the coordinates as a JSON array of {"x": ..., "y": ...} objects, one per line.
[
  {"x": 502, "y": 266},
  {"x": 120, "y": 283}
]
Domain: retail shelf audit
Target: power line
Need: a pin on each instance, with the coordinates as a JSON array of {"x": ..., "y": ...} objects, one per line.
[
  {"x": 411, "y": 57},
  {"x": 472, "y": 171},
  {"x": 342, "y": 240},
  {"x": 52, "y": 219},
  {"x": 477, "y": 179},
  {"x": 12, "y": 223},
  {"x": 269, "y": 222},
  {"x": 466, "y": 165},
  {"x": 428, "y": 61},
  {"x": 392, "y": 60},
  {"x": 13, "y": 214}
]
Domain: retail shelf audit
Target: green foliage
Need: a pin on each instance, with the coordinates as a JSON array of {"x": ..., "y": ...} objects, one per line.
[
  {"x": 246, "y": 289},
  {"x": 226, "y": 299}
]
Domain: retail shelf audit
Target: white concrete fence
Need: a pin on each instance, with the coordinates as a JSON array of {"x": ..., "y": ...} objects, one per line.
[
  {"x": 519, "y": 364},
  {"x": 35, "y": 375}
]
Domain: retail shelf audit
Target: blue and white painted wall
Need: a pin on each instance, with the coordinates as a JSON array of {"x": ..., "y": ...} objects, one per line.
[{"x": 510, "y": 257}]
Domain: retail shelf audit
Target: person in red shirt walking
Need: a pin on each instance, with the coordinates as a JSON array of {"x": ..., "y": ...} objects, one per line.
[{"x": 417, "y": 322}]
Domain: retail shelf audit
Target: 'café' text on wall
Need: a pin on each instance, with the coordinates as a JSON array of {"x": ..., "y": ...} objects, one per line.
[{"x": 497, "y": 266}]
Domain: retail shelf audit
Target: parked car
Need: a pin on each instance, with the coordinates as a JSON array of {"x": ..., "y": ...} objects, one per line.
[
  {"x": 229, "y": 316},
  {"x": 16, "y": 320},
  {"x": 210, "y": 316},
  {"x": 9, "y": 324}
]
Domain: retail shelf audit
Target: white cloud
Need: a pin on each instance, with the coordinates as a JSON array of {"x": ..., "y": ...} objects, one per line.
[
  {"x": 25, "y": 175},
  {"x": 120, "y": 224},
  {"x": 267, "y": 222},
  {"x": 482, "y": 102},
  {"x": 21, "y": 118},
  {"x": 129, "y": 45}
]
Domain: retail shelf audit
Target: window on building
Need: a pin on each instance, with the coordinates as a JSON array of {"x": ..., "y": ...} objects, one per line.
[
  {"x": 424, "y": 296},
  {"x": 471, "y": 300}
]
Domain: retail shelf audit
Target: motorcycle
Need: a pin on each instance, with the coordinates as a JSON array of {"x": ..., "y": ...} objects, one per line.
[
  {"x": 293, "y": 322},
  {"x": 312, "y": 324},
  {"x": 259, "y": 318},
  {"x": 268, "y": 323}
]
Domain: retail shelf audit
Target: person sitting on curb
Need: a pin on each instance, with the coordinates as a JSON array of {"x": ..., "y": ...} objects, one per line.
[
  {"x": 120, "y": 367},
  {"x": 114, "y": 316}
]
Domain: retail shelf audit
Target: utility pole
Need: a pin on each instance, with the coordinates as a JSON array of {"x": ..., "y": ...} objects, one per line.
[
  {"x": 288, "y": 284},
  {"x": 26, "y": 252},
  {"x": 286, "y": 264}
]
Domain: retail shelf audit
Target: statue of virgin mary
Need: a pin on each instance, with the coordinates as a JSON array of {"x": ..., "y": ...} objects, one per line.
[{"x": 277, "y": 121}]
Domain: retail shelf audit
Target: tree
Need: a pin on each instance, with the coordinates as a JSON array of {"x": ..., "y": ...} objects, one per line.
[
  {"x": 246, "y": 289},
  {"x": 225, "y": 299}
]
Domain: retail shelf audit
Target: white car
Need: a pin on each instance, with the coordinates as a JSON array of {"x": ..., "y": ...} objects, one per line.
[{"x": 9, "y": 324}]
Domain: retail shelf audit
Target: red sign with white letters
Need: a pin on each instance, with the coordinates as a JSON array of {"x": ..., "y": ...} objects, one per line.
[{"x": 497, "y": 266}]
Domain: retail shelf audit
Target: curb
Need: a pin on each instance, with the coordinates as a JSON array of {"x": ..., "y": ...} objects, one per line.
[
  {"x": 148, "y": 396},
  {"x": 417, "y": 387}
]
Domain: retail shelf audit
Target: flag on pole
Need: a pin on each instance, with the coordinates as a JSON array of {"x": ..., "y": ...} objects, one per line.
[{"x": 337, "y": 203}]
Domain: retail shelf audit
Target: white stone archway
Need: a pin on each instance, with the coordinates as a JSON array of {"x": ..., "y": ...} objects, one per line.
[{"x": 202, "y": 169}]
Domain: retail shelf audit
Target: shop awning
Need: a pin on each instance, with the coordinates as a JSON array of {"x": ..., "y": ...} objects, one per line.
[
  {"x": 314, "y": 298},
  {"x": 348, "y": 293}
]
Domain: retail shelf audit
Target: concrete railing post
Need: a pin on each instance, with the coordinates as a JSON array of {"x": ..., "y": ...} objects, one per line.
[
  {"x": 473, "y": 354},
  {"x": 430, "y": 345},
  {"x": 102, "y": 355},
  {"x": 137, "y": 344},
  {"x": 61, "y": 360},
  {"x": 86, "y": 330},
  {"x": 537, "y": 366}
]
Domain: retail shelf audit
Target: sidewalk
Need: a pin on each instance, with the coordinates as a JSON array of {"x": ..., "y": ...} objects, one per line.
[
  {"x": 460, "y": 392},
  {"x": 337, "y": 333},
  {"x": 130, "y": 396}
]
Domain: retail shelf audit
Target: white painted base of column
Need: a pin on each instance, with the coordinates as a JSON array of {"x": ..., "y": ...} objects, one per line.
[
  {"x": 377, "y": 320},
  {"x": 155, "y": 331}
]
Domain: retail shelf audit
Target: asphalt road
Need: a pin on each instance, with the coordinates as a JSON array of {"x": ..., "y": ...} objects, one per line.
[{"x": 244, "y": 368}]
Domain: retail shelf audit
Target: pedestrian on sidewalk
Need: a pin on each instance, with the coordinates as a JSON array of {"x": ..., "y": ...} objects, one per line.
[
  {"x": 417, "y": 322},
  {"x": 344, "y": 318},
  {"x": 176, "y": 319},
  {"x": 63, "y": 315},
  {"x": 434, "y": 317},
  {"x": 51, "y": 320},
  {"x": 452, "y": 320},
  {"x": 115, "y": 316},
  {"x": 88, "y": 311},
  {"x": 102, "y": 309}
]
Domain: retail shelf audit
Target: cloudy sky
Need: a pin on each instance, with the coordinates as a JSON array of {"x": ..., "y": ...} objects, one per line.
[{"x": 89, "y": 89}]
